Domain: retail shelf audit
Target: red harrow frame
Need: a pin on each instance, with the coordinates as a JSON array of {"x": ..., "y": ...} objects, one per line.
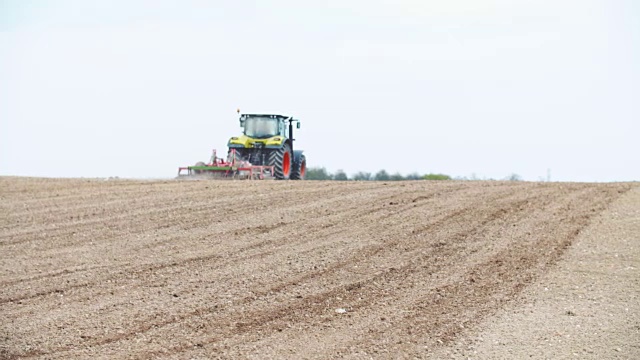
[{"x": 233, "y": 168}]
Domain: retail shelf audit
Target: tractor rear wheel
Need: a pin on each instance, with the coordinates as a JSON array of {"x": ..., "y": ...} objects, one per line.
[
  {"x": 299, "y": 168},
  {"x": 281, "y": 160}
]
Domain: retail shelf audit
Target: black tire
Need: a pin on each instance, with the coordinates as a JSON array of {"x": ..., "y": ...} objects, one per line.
[
  {"x": 299, "y": 168},
  {"x": 239, "y": 156},
  {"x": 278, "y": 159}
]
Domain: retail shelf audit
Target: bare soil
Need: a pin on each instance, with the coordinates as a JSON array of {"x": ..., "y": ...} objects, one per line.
[{"x": 313, "y": 270}]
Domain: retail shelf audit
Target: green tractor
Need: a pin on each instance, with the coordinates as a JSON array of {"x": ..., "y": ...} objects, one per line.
[{"x": 267, "y": 140}]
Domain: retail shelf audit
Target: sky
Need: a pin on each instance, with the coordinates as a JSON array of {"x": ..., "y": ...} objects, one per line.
[{"x": 469, "y": 88}]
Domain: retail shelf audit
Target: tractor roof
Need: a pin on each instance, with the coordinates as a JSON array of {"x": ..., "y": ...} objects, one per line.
[{"x": 279, "y": 117}]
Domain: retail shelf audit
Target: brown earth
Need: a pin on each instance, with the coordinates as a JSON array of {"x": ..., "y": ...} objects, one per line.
[{"x": 231, "y": 269}]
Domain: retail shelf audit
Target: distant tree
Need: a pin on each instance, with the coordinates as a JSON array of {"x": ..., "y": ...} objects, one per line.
[
  {"x": 381, "y": 175},
  {"x": 514, "y": 177},
  {"x": 413, "y": 176},
  {"x": 396, "y": 177},
  {"x": 340, "y": 176},
  {"x": 317, "y": 174},
  {"x": 436, "y": 177},
  {"x": 362, "y": 176}
]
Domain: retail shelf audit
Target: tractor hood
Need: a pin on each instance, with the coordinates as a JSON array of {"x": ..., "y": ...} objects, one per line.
[{"x": 246, "y": 142}]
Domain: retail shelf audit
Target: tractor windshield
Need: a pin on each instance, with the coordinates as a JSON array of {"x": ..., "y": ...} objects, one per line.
[{"x": 261, "y": 127}]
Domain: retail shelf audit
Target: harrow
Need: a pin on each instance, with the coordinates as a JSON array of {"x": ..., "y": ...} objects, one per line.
[{"x": 234, "y": 167}]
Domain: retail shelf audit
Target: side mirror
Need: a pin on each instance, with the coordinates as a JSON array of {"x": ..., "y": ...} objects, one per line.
[{"x": 298, "y": 125}]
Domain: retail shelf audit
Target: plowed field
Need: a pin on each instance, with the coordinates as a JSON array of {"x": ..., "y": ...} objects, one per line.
[{"x": 232, "y": 269}]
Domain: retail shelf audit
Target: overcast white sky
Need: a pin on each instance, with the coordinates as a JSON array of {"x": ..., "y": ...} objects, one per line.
[{"x": 486, "y": 87}]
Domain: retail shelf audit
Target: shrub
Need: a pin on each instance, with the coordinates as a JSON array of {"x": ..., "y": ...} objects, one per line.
[{"x": 436, "y": 177}]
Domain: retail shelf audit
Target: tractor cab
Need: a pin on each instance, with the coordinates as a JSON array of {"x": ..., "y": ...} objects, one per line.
[
  {"x": 263, "y": 126},
  {"x": 258, "y": 126},
  {"x": 264, "y": 131}
]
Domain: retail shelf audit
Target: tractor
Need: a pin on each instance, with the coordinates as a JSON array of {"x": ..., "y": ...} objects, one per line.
[{"x": 264, "y": 150}]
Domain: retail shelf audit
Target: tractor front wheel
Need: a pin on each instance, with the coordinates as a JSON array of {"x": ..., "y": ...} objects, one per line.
[{"x": 299, "y": 168}]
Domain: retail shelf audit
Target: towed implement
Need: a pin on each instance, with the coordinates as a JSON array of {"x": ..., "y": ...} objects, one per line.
[
  {"x": 263, "y": 151},
  {"x": 233, "y": 167}
]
